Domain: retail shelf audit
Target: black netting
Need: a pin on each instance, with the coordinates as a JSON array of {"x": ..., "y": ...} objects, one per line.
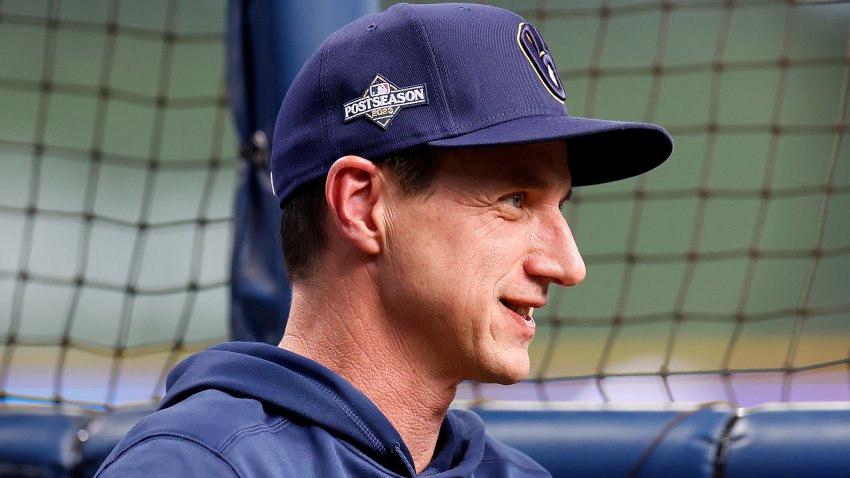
[{"x": 117, "y": 162}]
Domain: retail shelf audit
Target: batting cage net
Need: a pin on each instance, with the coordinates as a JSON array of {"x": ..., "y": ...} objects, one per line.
[
  {"x": 723, "y": 275},
  {"x": 117, "y": 159}
]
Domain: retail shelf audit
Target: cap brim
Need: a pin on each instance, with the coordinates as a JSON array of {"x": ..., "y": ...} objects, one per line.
[{"x": 598, "y": 151}]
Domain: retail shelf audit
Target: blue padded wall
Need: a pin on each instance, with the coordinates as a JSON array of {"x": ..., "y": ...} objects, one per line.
[
  {"x": 615, "y": 442},
  {"x": 784, "y": 441}
]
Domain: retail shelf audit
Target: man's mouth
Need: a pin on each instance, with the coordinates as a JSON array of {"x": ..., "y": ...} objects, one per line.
[{"x": 523, "y": 310}]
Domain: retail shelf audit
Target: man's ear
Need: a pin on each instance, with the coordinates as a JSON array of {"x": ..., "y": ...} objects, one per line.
[{"x": 352, "y": 190}]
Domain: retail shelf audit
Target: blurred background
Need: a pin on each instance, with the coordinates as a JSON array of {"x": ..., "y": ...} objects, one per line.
[{"x": 724, "y": 275}]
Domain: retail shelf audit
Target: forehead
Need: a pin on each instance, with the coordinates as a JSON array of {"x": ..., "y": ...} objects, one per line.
[{"x": 535, "y": 165}]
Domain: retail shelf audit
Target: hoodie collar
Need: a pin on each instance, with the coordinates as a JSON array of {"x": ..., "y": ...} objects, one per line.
[{"x": 307, "y": 389}]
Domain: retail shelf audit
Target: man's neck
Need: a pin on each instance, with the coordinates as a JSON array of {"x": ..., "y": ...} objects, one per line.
[{"x": 367, "y": 352}]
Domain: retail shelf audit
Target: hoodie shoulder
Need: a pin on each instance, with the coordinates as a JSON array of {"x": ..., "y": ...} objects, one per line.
[
  {"x": 175, "y": 456},
  {"x": 211, "y": 431},
  {"x": 211, "y": 417}
]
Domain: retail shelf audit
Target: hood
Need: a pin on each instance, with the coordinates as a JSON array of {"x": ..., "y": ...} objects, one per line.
[{"x": 302, "y": 387}]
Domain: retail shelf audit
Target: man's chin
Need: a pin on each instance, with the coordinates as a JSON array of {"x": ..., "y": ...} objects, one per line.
[{"x": 509, "y": 373}]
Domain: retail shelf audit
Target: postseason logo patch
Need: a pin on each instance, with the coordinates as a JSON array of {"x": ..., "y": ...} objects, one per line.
[{"x": 382, "y": 100}]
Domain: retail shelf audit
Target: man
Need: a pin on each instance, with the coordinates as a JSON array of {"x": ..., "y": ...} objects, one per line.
[{"x": 421, "y": 158}]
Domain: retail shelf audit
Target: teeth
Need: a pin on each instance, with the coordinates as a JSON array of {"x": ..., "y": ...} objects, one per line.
[{"x": 522, "y": 310}]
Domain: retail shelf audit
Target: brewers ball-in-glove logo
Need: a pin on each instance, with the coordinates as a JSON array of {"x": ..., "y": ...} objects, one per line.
[
  {"x": 382, "y": 100},
  {"x": 537, "y": 52}
]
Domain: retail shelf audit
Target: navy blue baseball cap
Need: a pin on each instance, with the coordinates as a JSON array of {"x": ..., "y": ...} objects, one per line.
[{"x": 449, "y": 76}]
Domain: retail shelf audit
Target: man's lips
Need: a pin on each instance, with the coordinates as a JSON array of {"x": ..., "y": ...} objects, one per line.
[{"x": 524, "y": 310}]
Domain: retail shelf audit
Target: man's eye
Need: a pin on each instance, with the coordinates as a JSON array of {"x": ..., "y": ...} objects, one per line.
[{"x": 516, "y": 200}]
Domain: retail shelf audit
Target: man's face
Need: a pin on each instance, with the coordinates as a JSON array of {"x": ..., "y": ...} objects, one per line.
[{"x": 462, "y": 265}]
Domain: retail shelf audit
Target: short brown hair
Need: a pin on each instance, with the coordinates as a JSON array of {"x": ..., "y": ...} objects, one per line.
[{"x": 302, "y": 228}]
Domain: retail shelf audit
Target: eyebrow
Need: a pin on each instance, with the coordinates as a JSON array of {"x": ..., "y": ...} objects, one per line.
[{"x": 524, "y": 180}]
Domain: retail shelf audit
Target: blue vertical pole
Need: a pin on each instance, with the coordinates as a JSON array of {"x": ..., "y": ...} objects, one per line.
[{"x": 268, "y": 41}]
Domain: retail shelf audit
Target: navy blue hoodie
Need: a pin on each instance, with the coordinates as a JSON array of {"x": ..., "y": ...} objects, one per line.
[{"x": 255, "y": 410}]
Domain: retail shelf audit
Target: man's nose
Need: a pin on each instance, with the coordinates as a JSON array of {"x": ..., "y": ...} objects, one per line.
[{"x": 556, "y": 256}]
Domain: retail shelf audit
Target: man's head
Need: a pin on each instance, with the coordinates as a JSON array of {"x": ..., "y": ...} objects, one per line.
[{"x": 427, "y": 147}]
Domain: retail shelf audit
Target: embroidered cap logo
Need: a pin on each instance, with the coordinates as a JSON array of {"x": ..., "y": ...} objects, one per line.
[
  {"x": 534, "y": 47},
  {"x": 382, "y": 100}
]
